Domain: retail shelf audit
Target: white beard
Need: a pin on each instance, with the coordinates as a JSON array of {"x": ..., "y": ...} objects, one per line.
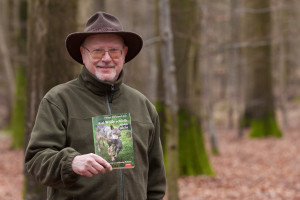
[{"x": 106, "y": 77}]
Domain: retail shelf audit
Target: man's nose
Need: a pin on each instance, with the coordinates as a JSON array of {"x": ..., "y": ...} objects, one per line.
[{"x": 106, "y": 57}]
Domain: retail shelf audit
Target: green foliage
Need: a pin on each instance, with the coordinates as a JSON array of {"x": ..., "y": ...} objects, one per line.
[
  {"x": 265, "y": 127},
  {"x": 193, "y": 158},
  {"x": 18, "y": 115}
]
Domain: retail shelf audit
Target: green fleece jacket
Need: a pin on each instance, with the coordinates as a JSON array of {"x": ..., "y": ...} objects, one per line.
[{"x": 63, "y": 130}]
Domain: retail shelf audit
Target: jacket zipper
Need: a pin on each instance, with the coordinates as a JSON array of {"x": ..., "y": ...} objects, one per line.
[
  {"x": 109, "y": 99},
  {"x": 111, "y": 95}
]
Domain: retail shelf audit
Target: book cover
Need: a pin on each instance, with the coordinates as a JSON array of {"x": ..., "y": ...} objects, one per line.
[{"x": 113, "y": 139}]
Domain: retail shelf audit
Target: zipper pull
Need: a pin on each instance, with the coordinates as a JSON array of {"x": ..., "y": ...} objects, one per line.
[{"x": 112, "y": 90}]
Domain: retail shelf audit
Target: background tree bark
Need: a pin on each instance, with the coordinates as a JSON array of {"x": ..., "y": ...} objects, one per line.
[
  {"x": 171, "y": 109},
  {"x": 207, "y": 70},
  {"x": 20, "y": 62},
  {"x": 50, "y": 21},
  {"x": 260, "y": 107},
  {"x": 193, "y": 158},
  {"x": 8, "y": 36}
]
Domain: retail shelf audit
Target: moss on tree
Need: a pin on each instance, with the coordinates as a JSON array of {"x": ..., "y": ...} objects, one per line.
[
  {"x": 265, "y": 127},
  {"x": 18, "y": 116},
  {"x": 193, "y": 158}
]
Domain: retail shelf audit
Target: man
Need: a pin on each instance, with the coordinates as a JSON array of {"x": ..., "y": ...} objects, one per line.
[{"x": 60, "y": 153}]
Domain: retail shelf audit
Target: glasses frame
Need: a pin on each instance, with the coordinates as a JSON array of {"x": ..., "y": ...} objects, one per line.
[{"x": 108, "y": 51}]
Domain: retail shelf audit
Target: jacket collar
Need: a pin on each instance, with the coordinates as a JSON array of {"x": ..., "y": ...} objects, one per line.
[{"x": 97, "y": 86}]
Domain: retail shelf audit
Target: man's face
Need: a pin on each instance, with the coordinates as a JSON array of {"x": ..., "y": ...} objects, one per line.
[{"x": 105, "y": 68}]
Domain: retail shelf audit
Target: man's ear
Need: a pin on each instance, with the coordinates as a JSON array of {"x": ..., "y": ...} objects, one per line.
[{"x": 81, "y": 51}]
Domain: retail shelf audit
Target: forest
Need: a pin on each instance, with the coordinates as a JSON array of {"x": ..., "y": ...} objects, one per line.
[{"x": 224, "y": 76}]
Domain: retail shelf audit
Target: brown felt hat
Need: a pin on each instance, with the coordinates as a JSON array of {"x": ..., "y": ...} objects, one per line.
[{"x": 103, "y": 23}]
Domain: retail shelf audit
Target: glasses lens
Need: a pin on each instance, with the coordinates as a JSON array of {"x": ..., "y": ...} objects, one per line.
[
  {"x": 113, "y": 53},
  {"x": 98, "y": 53}
]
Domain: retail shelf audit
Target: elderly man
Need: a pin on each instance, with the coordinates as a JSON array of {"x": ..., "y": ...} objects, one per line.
[{"x": 60, "y": 153}]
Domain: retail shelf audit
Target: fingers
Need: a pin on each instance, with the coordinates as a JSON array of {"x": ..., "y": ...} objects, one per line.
[
  {"x": 103, "y": 163},
  {"x": 87, "y": 173},
  {"x": 89, "y": 165}
]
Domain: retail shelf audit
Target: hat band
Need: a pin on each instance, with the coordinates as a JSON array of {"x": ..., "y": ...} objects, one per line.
[{"x": 105, "y": 29}]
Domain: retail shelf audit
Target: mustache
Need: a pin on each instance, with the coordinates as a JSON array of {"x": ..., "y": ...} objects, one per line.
[{"x": 106, "y": 65}]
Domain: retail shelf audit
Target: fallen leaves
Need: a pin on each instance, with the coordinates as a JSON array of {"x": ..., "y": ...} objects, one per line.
[
  {"x": 246, "y": 169},
  {"x": 249, "y": 169},
  {"x": 11, "y": 170}
]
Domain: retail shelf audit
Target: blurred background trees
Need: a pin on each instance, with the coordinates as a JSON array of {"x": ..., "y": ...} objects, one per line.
[
  {"x": 256, "y": 34},
  {"x": 48, "y": 63},
  {"x": 236, "y": 64}
]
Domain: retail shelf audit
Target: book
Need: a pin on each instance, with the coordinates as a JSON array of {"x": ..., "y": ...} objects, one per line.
[{"x": 113, "y": 139}]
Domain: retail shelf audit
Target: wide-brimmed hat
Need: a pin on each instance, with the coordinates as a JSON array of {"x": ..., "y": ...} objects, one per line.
[{"x": 103, "y": 23}]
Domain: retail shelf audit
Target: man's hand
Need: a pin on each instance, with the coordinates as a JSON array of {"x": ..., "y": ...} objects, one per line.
[{"x": 90, "y": 164}]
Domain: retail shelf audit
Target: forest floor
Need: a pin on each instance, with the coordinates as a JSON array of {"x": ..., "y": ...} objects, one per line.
[
  {"x": 249, "y": 169},
  {"x": 246, "y": 169}
]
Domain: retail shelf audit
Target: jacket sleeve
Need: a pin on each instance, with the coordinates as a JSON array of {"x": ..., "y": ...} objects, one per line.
[
  {"x": 47, "y": 158},
  {"x": 156, "y": 175}
]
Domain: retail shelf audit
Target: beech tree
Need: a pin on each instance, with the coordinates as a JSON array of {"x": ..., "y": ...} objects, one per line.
[
  {"x": 256, "y": 34},
  {"x": 49, "y": 24},
  {"x": 171, "y": 104},
  {"x": 193, "y": 158},
  {"x": 207, "y": 71},
  {"x": 8, "y": 52}
]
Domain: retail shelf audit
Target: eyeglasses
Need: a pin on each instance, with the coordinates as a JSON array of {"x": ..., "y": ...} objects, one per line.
[{"x": 99, "y": 53}]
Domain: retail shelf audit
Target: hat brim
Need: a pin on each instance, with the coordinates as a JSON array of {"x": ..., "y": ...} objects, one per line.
[{"x": 132, "y": 40}]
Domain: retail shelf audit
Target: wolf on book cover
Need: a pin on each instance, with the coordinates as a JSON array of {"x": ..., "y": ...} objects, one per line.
[{"x": 113, "y": 139}]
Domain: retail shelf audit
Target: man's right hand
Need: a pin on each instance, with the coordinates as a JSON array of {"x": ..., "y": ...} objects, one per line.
[{"x": 90, "y": 164}]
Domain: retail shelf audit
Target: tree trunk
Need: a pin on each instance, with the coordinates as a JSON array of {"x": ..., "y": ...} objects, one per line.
[
  {"x": 208, "y": 76},
  {"x": 7, "y": 50},
  {"x": 233, "y": 65},
  {"x": 193, "y": 158},
  {"x": 86, "y": 9},
  {"x": 50, "y": 21},
  {"x": 8, "y": 69},
  {"x": 281, "y": 55},
  {"x": 260, "y": 109},
  {"x": 170, "y": 85},
  {"x": 18, "y": 114}
]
